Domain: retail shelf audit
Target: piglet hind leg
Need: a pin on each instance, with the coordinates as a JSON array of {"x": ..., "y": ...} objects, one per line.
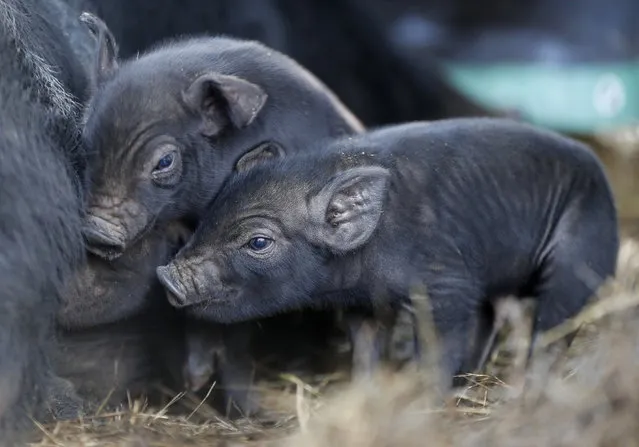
[
  {"x": 483, "y": 340},
  {"x": 453, "y": 343},
  {"x": 582, "y": 256}
]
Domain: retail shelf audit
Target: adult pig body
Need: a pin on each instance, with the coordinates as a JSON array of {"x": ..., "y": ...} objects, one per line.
[
  {"x": 473, "y": 209},
  {"x": 42, "y": 85}
]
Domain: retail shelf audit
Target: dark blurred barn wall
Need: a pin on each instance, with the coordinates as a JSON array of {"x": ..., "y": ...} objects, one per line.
[{"x": 347, "y": 49}]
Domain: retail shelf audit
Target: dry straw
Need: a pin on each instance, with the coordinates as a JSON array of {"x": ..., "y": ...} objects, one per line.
[{"x": 588, "y": 398}]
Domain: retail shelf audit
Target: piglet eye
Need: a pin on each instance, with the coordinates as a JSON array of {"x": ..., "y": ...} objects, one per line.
[
  {"x": 165, "y": 162},
  {"x": 259, "y": 243}
]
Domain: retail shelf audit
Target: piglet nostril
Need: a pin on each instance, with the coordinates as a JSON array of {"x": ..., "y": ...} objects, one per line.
[{"x": 175, "y": 290}]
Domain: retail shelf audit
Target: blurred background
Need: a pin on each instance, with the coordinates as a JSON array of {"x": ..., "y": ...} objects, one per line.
[{"x": 571, "y": 66}]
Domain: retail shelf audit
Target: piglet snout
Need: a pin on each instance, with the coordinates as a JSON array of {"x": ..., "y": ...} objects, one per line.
[{"x": 176, "y": 292}]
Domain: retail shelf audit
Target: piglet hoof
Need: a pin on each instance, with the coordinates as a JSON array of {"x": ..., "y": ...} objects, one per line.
[
  {"x": 63, "y": 403},
  {"x": 242, "y": 404},
  {"x": 240, "y": 396}
]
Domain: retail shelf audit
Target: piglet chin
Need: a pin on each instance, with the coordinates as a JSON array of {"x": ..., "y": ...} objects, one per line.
[{"x": 175, "y": 290}]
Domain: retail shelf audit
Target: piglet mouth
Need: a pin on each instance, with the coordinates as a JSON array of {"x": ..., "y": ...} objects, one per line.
[
  {"x": 105, "y": 251},
  {"x": 175, "y": 289}
]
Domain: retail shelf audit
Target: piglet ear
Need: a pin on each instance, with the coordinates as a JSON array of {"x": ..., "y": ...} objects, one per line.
[
  {"x": 262, "y": 153},
  {"x": 215, "y": 93},
  {"x": 106, "y": 59},
  {"x": 346, "y": 211}
]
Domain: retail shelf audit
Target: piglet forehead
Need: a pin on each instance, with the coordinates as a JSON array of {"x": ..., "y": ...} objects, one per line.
[
  {"x": 126, "y": 106},
  {"x": 255, "y": 197}
]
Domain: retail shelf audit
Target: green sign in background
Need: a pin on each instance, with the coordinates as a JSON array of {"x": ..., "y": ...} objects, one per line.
[{"x": 583, "y": 98}]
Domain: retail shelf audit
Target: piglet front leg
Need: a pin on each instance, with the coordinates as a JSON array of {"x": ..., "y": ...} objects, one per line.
[
  {"x": 370, "y": 341},
  {"x": 237, "y": 371},
  {"x": 222, "y": 352}
]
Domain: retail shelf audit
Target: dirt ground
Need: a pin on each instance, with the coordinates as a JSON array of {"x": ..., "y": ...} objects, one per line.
[{"x": 588, "y": 396}]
